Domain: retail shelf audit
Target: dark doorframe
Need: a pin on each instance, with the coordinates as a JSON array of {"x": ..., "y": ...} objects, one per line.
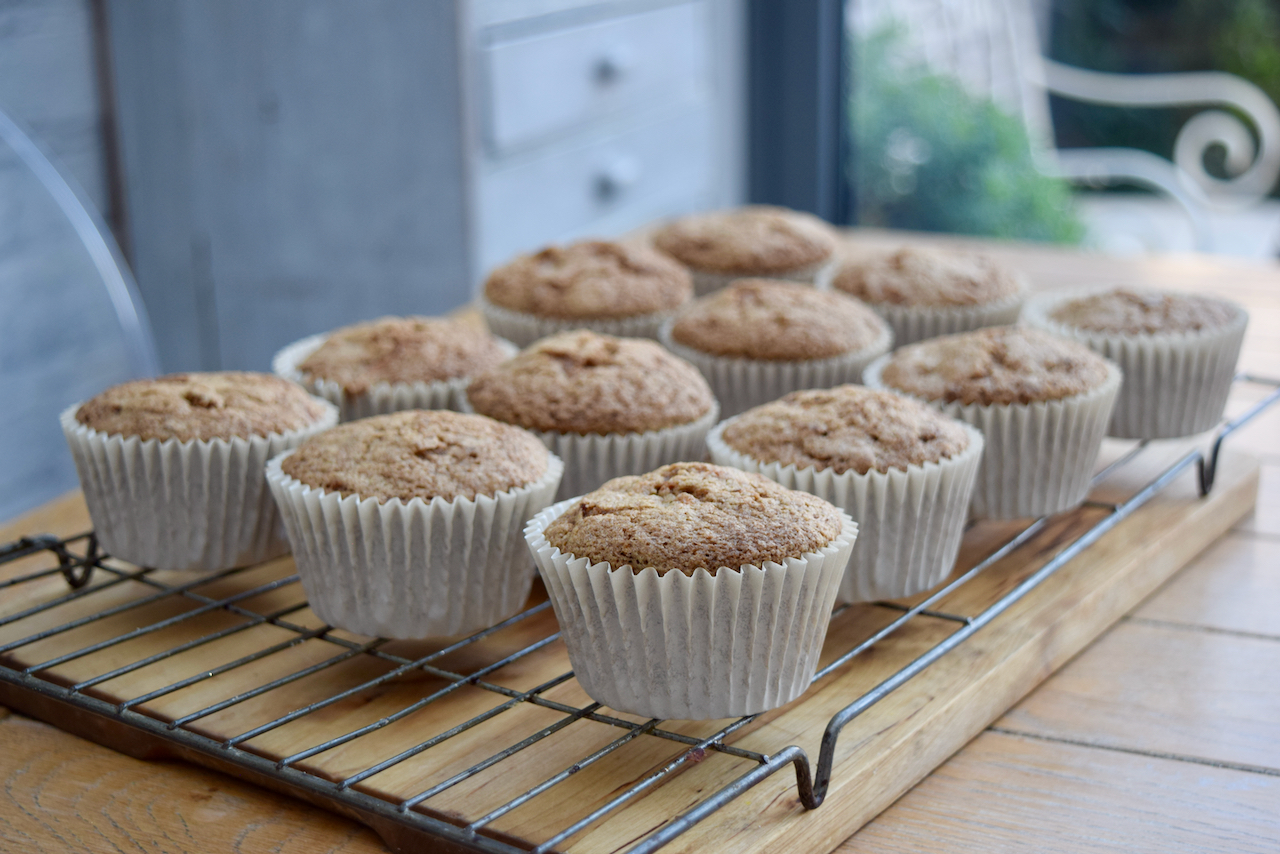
[{"x": 797, "y": 138}]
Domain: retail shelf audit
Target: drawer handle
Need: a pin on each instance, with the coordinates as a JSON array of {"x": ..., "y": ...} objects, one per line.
[
  {"x": 611, "y": 67},
  {"x": 616, "y": 178}
]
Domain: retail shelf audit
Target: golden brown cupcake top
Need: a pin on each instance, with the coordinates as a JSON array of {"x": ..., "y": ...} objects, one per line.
[
  {"x": 592, "y": 279},
  {"x": 777, "y": 321},
  {"x": 997, "y": 365},
  {"x": 219, "y": 405},
  {"x": 1126, "y": 311},
  {"x": 752, "y": 241},
  {"x": 690, "y": 516},
  {"x": 913, "y": 276},
  {"x": 847, "y": 428},
  {"x": 419, "y": 454},
  {"x": 582, "y": 382},
  {"x": 402, "y": 350}
]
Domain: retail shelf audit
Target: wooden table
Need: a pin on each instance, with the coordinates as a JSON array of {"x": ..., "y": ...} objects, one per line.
[{"x": 1164, "y": 735}]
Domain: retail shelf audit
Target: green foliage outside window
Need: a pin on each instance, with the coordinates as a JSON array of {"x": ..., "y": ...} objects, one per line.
[{"x": 929, "y": 156}]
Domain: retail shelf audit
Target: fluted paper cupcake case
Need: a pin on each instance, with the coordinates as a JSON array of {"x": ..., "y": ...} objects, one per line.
[
  {"x": 381, "y": 398},
  {"x": 1175, "y": 384},
  {"x": 523, "y": 329},
  {"x": 1039, "y": 457},
  {"x": 740, "y": 384},
  {"x": 701, "y": 646},
  {"x": 819, "y": 275},
  {"x": 592, "y": 459},
  {"x": 412, "y": 569},
  {"x": 909, "y": 521},
  {"x": 199, "y": 505},
  {"x": 912, "y": 323}
]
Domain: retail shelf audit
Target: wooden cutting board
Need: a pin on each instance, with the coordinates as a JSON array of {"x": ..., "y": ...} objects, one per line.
[{"x": 880, "y": 755}]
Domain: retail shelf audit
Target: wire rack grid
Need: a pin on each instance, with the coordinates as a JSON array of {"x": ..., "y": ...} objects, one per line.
[{"x": 62, "y": 619}]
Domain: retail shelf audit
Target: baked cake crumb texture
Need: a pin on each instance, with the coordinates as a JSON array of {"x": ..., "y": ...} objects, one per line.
[
  {"x": 997, "y": 365},
  {"x": 773, "y": 320},
  {"x": 202, "y": 406},
  {"x": 757, "y": 240},
  {"x": 1127, "y": 311},
  {"x": 419, "y": 454},
  {"x": 913, "y": 276},
  {"x": 402, "y": 350},
  {"x": 590, "y": 280},
  {"x": 583, "y": 382},
  {"x": 846, "y": 428},
  {"x": 689, "y": 516}
]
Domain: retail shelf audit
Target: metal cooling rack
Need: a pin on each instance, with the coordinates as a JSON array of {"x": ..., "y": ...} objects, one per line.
[{"x": 80, "y": 561}]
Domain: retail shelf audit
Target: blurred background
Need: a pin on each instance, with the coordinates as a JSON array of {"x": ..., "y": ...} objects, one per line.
[{"x": 191, "y": 185}]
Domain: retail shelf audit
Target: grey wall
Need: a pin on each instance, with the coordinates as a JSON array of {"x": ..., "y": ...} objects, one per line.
[
  {"x": 290, "y": 167},
  {"x": 59, "y": 342}
]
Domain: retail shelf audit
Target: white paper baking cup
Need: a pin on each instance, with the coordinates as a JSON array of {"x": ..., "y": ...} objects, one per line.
[
  {"x": 698, "y": 646},
  {"x": 1175, "y": 384},
  {"x": 592, "y": 459},
  {"x": 1039, "y": 457},
  {"x": 819, "y": 275},
  {"x": 916, "y": 323},
  {"x": 413, "y": 569},
  {"x": 381, "y": 398},
  {"x": 523, "y": 329},
  {"x": 197, "y": 505},
  {"x": 739, "y": 384},
  {"x": 909, "y": 521}
]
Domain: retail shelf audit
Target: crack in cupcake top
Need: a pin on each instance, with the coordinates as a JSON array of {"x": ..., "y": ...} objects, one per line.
[
  {"x": 755, "y": 240},
  {"x": 202, "y": 406},
  {"x": 689, "y": 516},
  {"x": 592, "y": 279},
  {"x": 419, "y": 454},
  {"x": 582, "y": 382},
  {"x": 847, "y": 428},
  {"x": 913, "y": 276},
  {"x": 777, "y": 321},
  {"x": 1128, "y": 311},
  {"x": 402, "y": 350},
  {"x": 996, "y": 365}
]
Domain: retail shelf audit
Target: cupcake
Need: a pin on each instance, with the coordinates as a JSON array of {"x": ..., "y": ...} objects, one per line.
[
  {"x": 694, "y": 591},
  {"x": 1042, "y": 404},
  {"x": 171, "y": 467},
  {"x": 1178, "y": 353},
  {"x": 613, "y": 288},
  {"x": 904, "y": 471},
  {"x": 409, "y": 525},
  {"x": 756, "y": 241},
  {"x": 757, "y": 340},
  {"x": 392, "y": 363},
  {"x": 607, "y": 406},
  {"x": 924, "y": 293}
]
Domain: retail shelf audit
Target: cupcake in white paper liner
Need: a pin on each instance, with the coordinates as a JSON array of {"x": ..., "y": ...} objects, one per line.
[
  {"x": 607, "y": 406},
  {"x": 591, "y": 459},
  {"x": 616, "y": 288},
  {"x": 1038, "y": 457},
  {"x": 363, "y": 397},
  {"x": 756, "y": 241},
  {"x": 926, "y": 292},
  {"x": 411, "y": 569},
  {"x": 708, "y": 644},
  {"x": 910, "y": 519},
  {"x": 1178, "y": 353},
  {"x": 523, "y": 329},
  {"x": 200, "y": 505},
  {"x": 759, "y": 339}
]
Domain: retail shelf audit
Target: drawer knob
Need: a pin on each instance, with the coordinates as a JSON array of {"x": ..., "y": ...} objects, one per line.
[
  {"x": 611, "y": 67},
  {"x": 616, "y": 178}
]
